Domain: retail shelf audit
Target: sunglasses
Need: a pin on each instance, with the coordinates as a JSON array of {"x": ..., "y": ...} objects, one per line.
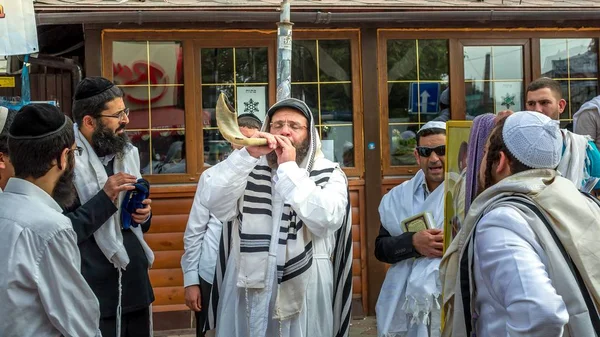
[{"x": 424, "y": 151}]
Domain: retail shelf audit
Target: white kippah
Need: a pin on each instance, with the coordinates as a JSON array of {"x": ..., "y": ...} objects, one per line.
[
  {"x": 433, "y": 125},
  {"x": 3, "y": 117},
  {"x": 534, "y": 139}
]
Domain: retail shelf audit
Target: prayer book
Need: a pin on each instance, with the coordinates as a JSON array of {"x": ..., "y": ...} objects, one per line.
[{"x": 418, "y": 222}]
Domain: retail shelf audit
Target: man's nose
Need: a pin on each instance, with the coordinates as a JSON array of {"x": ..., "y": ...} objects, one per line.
[{"x": 286, "y": 130}]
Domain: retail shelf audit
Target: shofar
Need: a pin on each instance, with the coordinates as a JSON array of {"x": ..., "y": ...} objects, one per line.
[{"x": 229, "y": 128}]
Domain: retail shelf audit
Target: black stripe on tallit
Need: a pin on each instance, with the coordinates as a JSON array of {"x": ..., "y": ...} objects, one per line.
[
  {"x": 250, "y": 210},
  {"x": 246, "y": 236},
  {"x": 257, "y": 249},
  {"x": 261, "y": 177},
  {"x": 258, "y": 188},
  {"x": 258, "y": 200},
  {"x": 321, "y": 181},
  {"x": 341, "y": 258},
  {"x": 300, "y": 270},
  {"x": 315, "y": 173},
  {"x": 262, "y": 168},
  {"x": 300, "y": 257}
]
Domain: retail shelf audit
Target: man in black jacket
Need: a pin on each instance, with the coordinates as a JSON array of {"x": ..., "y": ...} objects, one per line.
[{"x": 115, "y": 258}]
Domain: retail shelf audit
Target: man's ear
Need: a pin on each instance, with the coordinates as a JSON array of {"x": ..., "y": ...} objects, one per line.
[
  {"x": 417, "y": 157},
  {"x": 502, "y": 169},
  {"x": 88, "y": 122},
  {"x": 3, "y": 160},
  {"x": 64, "y": 158},
  {"x": 561, "y": 105}
]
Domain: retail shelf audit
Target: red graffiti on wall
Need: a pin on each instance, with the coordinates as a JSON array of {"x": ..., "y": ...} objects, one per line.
[{"x": 142, "y": 73}]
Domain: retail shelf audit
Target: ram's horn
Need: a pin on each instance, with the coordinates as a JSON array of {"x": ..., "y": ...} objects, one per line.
[{"x": 228, "y": 126}]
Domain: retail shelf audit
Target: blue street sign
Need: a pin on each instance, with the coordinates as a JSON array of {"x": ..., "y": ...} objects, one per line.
[{"x": 424, "y": 97}]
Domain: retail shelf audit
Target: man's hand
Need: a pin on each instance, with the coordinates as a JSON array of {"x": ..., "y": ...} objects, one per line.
[
  {"x": 118, "y": 183},
  {"x": 142, "y": 214},
  {"x": 429, "y": 242},
  {"x": 193, "y": 299},
  {"x": 258, "y": 151},
  {"x": 286, "y": 150}
]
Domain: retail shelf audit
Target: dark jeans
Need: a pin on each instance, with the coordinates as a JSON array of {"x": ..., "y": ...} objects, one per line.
[
  {"x": 202, "y": 315},
  {"x": 133, "y": 324}
]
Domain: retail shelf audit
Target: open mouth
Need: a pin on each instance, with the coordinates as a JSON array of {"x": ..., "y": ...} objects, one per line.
[{"x": 436, "y": 169}]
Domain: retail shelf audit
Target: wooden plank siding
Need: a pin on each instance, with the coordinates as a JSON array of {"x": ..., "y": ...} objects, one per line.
[
  {"x": 46, "y": 87},
  {"x": 171, "y": 209}
]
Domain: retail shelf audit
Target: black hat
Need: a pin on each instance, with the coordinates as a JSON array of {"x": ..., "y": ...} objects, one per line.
[
  {"x": 92, "y": 86},
  {"x": 249, "y": 115},
  {"x": 292, "y": 103},
  {"x": 36, "y": 121}
]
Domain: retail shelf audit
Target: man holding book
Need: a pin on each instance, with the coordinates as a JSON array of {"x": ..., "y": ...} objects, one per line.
[{"x": 411, "y": 239}]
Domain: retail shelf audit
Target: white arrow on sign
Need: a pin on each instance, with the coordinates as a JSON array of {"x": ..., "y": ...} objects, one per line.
[{"x": 424, "y": 98}]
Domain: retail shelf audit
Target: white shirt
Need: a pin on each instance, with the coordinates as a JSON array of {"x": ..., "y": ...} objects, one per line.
[
  {"x": 200, "y": 241},
  {"x": 249, "y": 314},
  {"x": 515, "y": 296},
  {"x": 42, "y": 292}
]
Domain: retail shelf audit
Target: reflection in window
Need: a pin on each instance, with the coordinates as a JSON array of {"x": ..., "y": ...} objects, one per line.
[
  {"x": 493, "y": 79},
  {"x": 322, "y": 77},
  {"x": 150, "y": 73},
  {"x": 240, "y": 73},
  {"x": 417, "y": 76},
  {"x": 573, "y": 63}
]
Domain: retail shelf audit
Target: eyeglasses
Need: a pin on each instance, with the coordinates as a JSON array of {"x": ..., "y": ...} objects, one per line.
[
  {"x": 292, "y": 125},
  {"x": 424, "y": 151},
  {"x": 120, "y": 115},
  {"x": 78, "y": 150}
]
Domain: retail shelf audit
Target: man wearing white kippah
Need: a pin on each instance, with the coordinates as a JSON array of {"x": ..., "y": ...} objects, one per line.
[
  {"x": 410, "y": 238},
  {"x": 527, "y": 263}
]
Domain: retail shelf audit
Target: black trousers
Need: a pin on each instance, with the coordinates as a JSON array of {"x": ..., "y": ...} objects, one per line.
[
  {"x": 202, "y": 315},
  {"x": 133, "y": 324}
]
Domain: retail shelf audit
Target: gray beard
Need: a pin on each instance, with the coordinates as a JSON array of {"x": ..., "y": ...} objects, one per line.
[{"x": 301, "y": 153}]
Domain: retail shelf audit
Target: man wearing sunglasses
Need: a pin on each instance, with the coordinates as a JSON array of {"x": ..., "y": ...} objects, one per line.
[{"x": 406, "y": 304}]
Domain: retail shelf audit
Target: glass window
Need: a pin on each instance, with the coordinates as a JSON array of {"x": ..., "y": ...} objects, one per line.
[
  {"x": 493, "y": 79},
  {"x": 242, "y": 74},
  {"x": 150, "y": 73},
  {"x": 417, "y": 75},
  {"x": 322, "y": 77},
  {"x": 574, "y": 63},
  {"x": 3, "y": 64}
]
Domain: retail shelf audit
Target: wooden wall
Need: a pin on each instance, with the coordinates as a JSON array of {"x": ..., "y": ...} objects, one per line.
[
  {"x": 46, "y": 87},
  {"x": 171, "y": 206}
]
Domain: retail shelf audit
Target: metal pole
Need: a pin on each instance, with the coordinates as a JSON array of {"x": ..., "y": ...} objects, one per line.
[{"x": 284, "y": 53}]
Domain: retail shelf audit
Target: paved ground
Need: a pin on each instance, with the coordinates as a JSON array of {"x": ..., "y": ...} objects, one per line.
[{"x": 359, "y": 327}]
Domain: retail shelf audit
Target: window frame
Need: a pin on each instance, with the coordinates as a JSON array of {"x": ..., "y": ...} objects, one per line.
[
  {"x": 457, "y": 39},
  {"x": 195, "y": 39}
]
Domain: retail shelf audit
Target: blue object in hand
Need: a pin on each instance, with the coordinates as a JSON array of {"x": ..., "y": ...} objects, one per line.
[{"x": 132, "y": 201}]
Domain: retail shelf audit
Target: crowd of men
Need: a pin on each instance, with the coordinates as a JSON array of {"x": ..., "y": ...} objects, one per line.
[{"x": 268, "y": 240}]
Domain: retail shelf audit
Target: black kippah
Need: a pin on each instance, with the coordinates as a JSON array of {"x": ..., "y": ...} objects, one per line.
[
  {"x": 36, "y": 121},
  {"x": 92, "y": 86}
]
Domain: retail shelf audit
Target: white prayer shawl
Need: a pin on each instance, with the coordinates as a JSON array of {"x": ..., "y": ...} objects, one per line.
[
  {"x": 411, "y": 287},
  {"x": 90, "y": 177},
  {"x": 593, "y": 104},
  {"x": 572, "y": 165},
  {"x": 549, "y": 193}
]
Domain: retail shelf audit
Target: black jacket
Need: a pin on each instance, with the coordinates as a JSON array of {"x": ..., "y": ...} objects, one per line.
[{"x": 393, "y": 249}]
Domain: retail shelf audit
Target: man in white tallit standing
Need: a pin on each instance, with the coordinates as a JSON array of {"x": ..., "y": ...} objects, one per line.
[
  {"x": 528, "y": 262},
  {"x": 288, "y": 226},
  {"x": 115, "y": 257},
  {"x": 407, "y": 304},
  {"x": 6, "y": 169},
  {"x": 201, "y": 242},
  {"x": 42, "y": 292}
]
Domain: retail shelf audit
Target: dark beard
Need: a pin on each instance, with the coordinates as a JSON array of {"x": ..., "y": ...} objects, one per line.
[
  {"x": 106, "y": 142},
  {"x": 64, "y": 192},
  {"x": 301, "y": 153}
]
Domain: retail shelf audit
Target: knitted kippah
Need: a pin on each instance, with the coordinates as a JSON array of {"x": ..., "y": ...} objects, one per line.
[
  {"x": 533, "y": 139},
  {"x": 36, "y": 121},
  {"x": 433, "y": 125},
  {"x": 92, "y": 86}
]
